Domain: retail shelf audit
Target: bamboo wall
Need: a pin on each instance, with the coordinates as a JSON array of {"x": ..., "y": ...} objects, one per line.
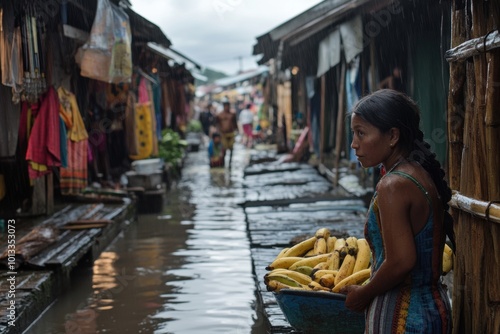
[{"x": 474, "y": 168}]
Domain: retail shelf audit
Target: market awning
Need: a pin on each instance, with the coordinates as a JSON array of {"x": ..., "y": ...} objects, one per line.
[
  {"x": 320, "y": 17},
  {"x": 267, "y": 44},
  {"x": 175, "y": 56},
  {"x": 145, "y": 31},
  {"x": 228, "y": 81}
]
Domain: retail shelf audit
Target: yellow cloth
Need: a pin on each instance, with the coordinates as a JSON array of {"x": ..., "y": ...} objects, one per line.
[
  {"x": 34, "y": 165},
  {"x": 143, "y": 126},
  {"x": 227, "y": 140},
  {"x": 69, "y": 111}
]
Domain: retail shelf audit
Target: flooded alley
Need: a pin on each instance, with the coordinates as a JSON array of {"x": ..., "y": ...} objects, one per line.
[
  {"x": 185, "y": 270},
  {"x": 366, "y": 155}
]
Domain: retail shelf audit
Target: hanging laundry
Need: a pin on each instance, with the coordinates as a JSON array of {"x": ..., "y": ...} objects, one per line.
[
  {"x": 132, "y": 140},
  {"x": 34, "y": 84},
  {"x": 145, "y": 122},
  {"x": 143, "y": 126},
  {"x": 11, "y": 62},
  {"x": 44, "y": 148},
  {"x": 71, "y": 114},
  {"x": 74, "y": 177}
]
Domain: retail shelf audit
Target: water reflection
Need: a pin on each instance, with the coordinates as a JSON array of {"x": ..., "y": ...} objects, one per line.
[{"x": 188, "y": 273}]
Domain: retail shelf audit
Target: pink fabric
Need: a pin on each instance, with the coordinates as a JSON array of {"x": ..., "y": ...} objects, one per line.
[
  {"x": 248, "y": 129},
  {"x": 143, "y": 92},
  {"x": 44, "y": 142}
]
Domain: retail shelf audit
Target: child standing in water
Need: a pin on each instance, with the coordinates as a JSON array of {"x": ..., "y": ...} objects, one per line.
[{"x": 215, "y": 151}]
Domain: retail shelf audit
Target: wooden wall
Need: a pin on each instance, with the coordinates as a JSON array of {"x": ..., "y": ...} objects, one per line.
[{"x": 474, "y": 165}]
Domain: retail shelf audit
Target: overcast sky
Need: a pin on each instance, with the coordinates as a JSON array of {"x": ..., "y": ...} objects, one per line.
[{"x": 215, "y": 33}]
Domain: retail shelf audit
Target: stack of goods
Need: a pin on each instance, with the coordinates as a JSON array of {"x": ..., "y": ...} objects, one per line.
[
  {"x": 326, "y": 263},
  {"x": 147, "y": 175}
]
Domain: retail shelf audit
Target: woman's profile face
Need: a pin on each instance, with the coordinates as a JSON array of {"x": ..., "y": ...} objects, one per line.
[{"x": 371, "y": 146}]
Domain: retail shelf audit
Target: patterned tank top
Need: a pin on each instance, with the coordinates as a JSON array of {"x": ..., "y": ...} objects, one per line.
[{"x": 420, "y": 303}]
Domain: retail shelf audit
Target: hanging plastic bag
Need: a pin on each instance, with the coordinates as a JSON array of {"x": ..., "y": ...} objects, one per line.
[{"x": 107, "y": 55}]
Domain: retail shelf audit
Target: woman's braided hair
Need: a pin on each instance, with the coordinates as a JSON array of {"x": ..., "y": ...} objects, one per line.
[{"x": 386, "y": 109}]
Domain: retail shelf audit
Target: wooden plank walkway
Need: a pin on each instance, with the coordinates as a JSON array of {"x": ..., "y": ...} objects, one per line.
[{"x": 41, "y": 278}]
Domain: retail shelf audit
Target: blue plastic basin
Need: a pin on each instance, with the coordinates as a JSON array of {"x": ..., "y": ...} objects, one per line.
[{"x": 319, "y": 312}]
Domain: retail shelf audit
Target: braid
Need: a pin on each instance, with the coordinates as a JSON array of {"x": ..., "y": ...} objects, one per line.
[{"x": 422, "y": 154}]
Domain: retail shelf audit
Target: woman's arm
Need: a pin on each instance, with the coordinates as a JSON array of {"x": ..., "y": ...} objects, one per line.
[{"x": 394, "y": 200}]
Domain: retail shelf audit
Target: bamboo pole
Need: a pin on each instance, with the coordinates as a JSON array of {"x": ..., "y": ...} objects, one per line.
[
  {"x": 340, "y": 122},
  {"x": 475, "y": 207},
  {"x": 474, "y": 47},
  {"x": 322, "y": 119}
]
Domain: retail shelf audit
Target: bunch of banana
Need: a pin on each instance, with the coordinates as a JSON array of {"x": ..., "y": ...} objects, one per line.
[
  {"x": 320, "y": 263},
  {"x": 327, "y": 263}
]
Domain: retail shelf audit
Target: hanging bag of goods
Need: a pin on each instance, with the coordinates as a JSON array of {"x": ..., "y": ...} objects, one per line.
[{"x": 107, "y": 54}]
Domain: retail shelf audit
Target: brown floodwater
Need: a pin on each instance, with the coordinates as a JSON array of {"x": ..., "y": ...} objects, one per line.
[{"x": 186, "y": 269}]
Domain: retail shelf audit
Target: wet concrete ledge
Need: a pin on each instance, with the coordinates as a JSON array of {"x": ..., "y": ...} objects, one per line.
[{"x": 47, "y": 275}]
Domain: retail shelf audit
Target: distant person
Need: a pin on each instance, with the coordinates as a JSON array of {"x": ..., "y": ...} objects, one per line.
[
  {"x": 215, "y": 151},
  {"x": 394, "y": 81},
  {"x": 227, "y": 125},
  {"x": 207, "y": 119},
  {"x": 246, "y": 121}
]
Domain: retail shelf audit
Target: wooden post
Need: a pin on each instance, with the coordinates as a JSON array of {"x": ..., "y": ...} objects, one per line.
[
  {"x": 340, "y": 122},
  {"x": 322, "y": 119},
  {"x": 456, "y": 115}
]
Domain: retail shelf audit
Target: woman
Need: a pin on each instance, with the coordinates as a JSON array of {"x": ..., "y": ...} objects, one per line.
[{"x": 406, "y": 222}]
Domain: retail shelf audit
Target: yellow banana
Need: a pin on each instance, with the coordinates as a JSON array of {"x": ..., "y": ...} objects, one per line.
[
  {"x": 315, "y": 286},
  {"x": 328, "y": 281},
  {"x": 343, "y": 252},
  {"x": 310, "y": 253},
  {"x": 346, "y": 268},
  {"x": 282, "y": 253},
  {"x": 330, "y": 244},
  {"x": 363, "y": 257},
  {"x": 283, "y": 262},
  {"x": 321, "y": 266},
  {"x": 352, "y": 245},
  {"x": 334, "y": 260},
  {"x": 306, "y": 270},
  {"x": 295, "y": 275},
  {"x": 448, "y": 249},
  {"x": 322, "y": 233},
  {"x": 447, "y": 259},
  {"x": 354, "y": 279},
  {"x": 309, "y": 261},
  {"x": 285, "y": 279},
  {"x": 339, "y": 243},
  {"x": 320, "y": 273},
  {"x": 276, "y": 286},
  {"x": 301, "y": 248},
  {"x": 320, "y": 246}
]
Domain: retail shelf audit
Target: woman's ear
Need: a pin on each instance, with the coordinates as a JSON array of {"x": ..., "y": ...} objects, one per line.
[{"x": 394, "y": 136}]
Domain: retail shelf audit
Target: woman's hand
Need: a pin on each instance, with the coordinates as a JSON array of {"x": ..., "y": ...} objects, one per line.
[{"x": 356, "y": 301}]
